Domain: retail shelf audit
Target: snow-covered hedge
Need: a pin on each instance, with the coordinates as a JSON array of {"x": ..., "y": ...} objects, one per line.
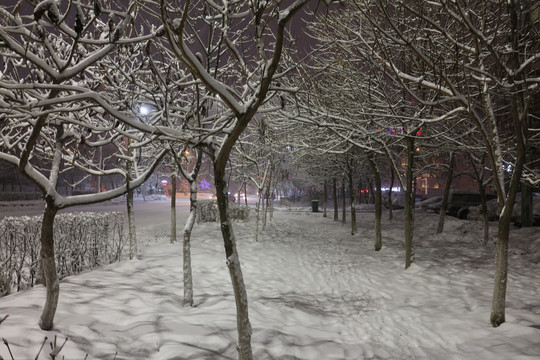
[
  {"x": 83, "y": 241},
  {"x": 207, "y": 211},
  {"x": 239, "y": 212}
]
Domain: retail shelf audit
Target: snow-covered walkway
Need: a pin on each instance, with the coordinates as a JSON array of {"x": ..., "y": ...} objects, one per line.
[{"x": 315, "y": 292}]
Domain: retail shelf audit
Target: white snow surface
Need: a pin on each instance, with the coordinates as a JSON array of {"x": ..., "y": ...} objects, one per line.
[{"x": 315, "y": 292}]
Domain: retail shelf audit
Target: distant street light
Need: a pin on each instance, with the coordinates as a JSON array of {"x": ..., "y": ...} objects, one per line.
[{"x": 144, "y": 109}]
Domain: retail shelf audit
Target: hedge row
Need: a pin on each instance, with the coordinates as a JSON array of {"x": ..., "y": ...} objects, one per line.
[
  {"x": 207, "y": 211},
  {"x": 83, "y": 241}
]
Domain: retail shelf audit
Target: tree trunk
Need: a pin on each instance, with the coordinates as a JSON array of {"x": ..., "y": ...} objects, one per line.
[
  {"x": 325, "y": 198},
  {"x": 501, "y": 273},
  {"x": 188, "y": 228},
  {"x": 343, "y": 202},
  {"x": 48, "y": 263},
  {"x": 371, "y": 192},
  {"x": 482, "y": 190},
  {"x": 334, "y": 195},
  {"x": 233, "y": 263},
  {"x": 409, "y": 205},
  {"x": 265, "y": 209},
  {"x": 173, "y": 206},
  {"x": 133, "y": 248},
  {"x": 100, "y": 166},
  {"x": 258, "y": 213},
  {"x": 351, "y": 198},
  {"x": 444, "y": 203},
  {"x": 272, "y": 203},
  {"x": 378, "y": 203},
  {"x": 268, "y": 187},
  {"x": 191, "y": 179},
  {"x": 390, "y": 208}
]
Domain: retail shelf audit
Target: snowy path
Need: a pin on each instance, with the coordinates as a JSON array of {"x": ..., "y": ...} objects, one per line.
[
  {"x": 369, "y": 305},
  {"x": 315, "y": 292},
  {"x": 340, "y": 282}
]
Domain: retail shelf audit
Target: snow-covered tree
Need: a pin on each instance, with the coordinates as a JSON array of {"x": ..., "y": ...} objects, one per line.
[
  {"x": 256, "y": 161},
  {"x": 49, "y": 56},
  {"x": 454, "y": 62},
  {"x": 243, "y": 42}
]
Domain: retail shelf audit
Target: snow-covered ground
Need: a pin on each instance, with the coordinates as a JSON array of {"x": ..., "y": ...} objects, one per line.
[{"x": 315, "y": 292}]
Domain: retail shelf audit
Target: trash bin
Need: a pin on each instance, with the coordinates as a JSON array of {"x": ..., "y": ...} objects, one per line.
[{"x": 315, "y": 205}]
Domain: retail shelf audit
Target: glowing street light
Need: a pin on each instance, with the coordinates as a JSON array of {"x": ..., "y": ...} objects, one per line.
[{"x": 144, "y": 109}]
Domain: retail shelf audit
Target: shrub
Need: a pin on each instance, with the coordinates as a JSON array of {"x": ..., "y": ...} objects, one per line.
[
  {"x": 207, "y": 211},
  {"x": 284, "y": 202},
  {"x": 83, "y": 241},
  {"x": 239, "y": 212}
]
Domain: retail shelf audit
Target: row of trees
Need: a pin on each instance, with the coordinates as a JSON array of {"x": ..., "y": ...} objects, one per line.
[
  {"x": 156, "y": 81},
  {"x": 393, "y": 78},
  {"x": 76, "y": 77}
]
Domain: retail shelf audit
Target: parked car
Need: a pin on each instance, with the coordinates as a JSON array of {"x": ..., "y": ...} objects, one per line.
[
  {"x": 475, "y": 212},
  {"x": 432, "y": 201},
  {"x": 459, "y": 203},
  {"x": 435, "y": 206},
  {"x": 516, "y": 213},
  {"x": 398, "y": 200}
]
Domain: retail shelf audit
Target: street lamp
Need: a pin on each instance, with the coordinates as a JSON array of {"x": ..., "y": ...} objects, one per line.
[{"x": 144, "y": 109}]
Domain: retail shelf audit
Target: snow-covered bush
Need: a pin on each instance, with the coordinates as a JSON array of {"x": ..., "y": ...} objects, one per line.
[
  {"x": 207, "y": 211},
  {"x": 83, "y": 241},
  {"x": 19, "y": 253},
  {"x": 239, "y": 212},
  {"x": 284, "y": 202}
]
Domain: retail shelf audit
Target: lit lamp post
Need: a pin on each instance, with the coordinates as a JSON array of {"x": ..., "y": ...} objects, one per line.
[
  {"x": 144, "y": 109},
  {"x": 164, "y": 184}
]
